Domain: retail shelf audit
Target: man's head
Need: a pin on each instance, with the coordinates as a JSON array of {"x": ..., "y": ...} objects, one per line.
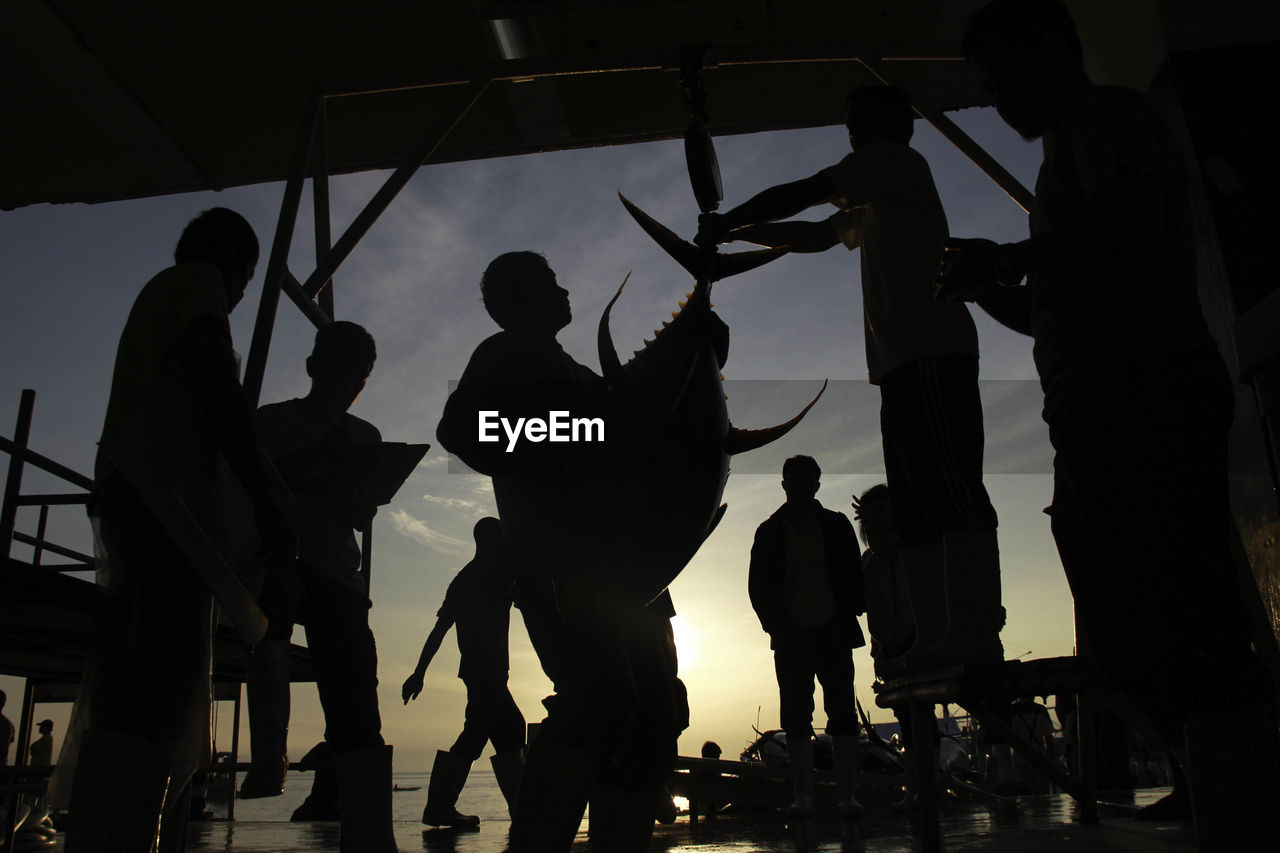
[
  {"x": 1027, "y": 56},
  {"x": 521, "y": 294},
  {"x": 878, "y": 114},
  {"x": 800, "y": 477},
  {"x": 225, "y": 239},
  {"x": 340, "y": 362},
  {"x": 488, "y": 534},
  {"x": 46, "y": 727}
]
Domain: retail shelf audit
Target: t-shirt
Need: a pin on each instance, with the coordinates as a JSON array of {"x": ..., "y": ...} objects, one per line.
[
  {"x": 479, "y": 604},
  {"x": 518, "y": 376},
  {"x": 890, "y": 209},
  {"x": 148, "y": 372},
  {"x": 307, "y": 446},
  {"x": 1083, "y": 322},
  {"x": 809, "y": 597},
  {"x": 41, "y": 752},
  {"x": 6, "y": 738}
]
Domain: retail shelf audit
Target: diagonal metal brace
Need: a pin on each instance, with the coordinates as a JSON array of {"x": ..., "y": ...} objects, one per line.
[{"x": 396, "y": 182}]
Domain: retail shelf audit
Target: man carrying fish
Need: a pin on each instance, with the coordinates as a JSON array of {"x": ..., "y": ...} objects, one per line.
[{"x": 613, "y": 666}]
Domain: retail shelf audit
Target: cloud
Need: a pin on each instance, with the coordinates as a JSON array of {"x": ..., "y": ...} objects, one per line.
[
  {"x": 457, "y": 503},
  {"x": 418, "y": 530}
]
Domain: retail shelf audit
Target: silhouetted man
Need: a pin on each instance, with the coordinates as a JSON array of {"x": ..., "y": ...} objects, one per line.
[
  {"x": 478, "y": 601},
  {"x": 316, "y": 444},
  {"x": 921, "y": 353},
  {"x": 175, "y": 393},
  {"x": 41, "y": 752},
  {"x": 6, "y": 732},
  {"x": 611, "y": 726},
  {"x": 1138, "y": 404},
  {"x": 806, "y": 586}
]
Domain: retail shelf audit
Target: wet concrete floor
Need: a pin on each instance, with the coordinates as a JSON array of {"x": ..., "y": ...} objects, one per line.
[{"x": 1044, "y": 824}]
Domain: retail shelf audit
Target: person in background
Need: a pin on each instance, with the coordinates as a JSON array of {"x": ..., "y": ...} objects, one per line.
[
  {"x": 478, "y": 602},
  {"x": 805, "y": 583},
  {"x": 41, "y": 752},
  {"x": 317, "y": 444},
  {"x": 6, "y": 731}
]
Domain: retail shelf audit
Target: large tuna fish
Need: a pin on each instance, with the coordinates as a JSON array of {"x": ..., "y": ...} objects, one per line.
[{"x": 670, "y": 436}]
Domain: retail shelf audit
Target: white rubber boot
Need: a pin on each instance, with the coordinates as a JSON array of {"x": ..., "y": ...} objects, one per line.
[
  {"x": 800, "y": 769},
  {"x": 364, "y": 777},
  {"x": 845, "y": 750},
  {"x": 448, "y": 778},
  {"x": 507, "y": 770},
  {"x": 910, "y": 794},
  {"x": 1232, "y": 760},
  {"x": 117, "y": 795}
]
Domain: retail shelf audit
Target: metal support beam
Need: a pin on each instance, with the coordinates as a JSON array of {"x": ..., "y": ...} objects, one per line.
[
  {"x": 991, "y": 167},
  {"x": 315, "y": 313},
  {"x": 13, "y": 481},
  {"x": 30, "y": 457},
  {"x": 320, "y": 205},
  {"x": 41, "y": 527},
  {"x": 396, "y": 182},
  {"x": 277, "y": 264}
]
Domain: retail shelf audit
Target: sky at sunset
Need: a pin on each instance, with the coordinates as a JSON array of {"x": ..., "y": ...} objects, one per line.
[{"x": 68, "y": 275}]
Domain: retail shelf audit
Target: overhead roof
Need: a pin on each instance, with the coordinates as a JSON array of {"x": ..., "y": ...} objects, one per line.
[{"x": 117, "y": 100}]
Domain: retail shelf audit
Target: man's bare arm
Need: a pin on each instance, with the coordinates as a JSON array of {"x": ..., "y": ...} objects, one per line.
[
  {"x": 778, "y": 202},
  {"x": 796, "y": 236}
]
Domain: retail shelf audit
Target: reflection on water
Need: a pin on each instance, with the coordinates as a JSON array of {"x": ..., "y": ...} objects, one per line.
[{"x": 1039, "y": 824}]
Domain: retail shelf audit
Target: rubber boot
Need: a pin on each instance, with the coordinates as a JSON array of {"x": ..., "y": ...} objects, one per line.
[
  {"x": 1175, "y": 805},
  {"x": 364, "y": 782},
  {"x": 998, "y": 777},
  {"x": 1232, "y": 758},
  {"x": 621, "y": 821},
  {"x": 911, "y": 787},
  {"x": 554, "y": 788},
  {"x": 800, "y": 769},
  {"x": 927, "y": 586},
  {"x": 267, "y": 681},
  {"x": 974, "y": 616},
  {"x": 117, "y": 795},
  {"x": 173, "y": 825},
  {"x": 844, "y": 749},
  {"x": 508, "y": 767},
  {"x": 323, "y": 803},
  {"x": 448, "y": 776}
]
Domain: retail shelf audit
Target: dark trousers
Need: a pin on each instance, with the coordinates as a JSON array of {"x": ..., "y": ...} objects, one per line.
[
  {"x": 154, "y": 626},
  {"x": 343, "y": 653},
  {"x": 799, "y": 656},
  {"x": 616, "y": 689},
  {"x": 491, "y": 715},
  {"x": 1142, "y": 520},
  {"x": 932, "y": 432}
]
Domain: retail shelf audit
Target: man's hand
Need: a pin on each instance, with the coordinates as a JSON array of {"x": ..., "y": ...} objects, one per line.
[
  {"x": 712, "y": 230},
  {"x": 412, "y": 687},
  {"x": 968, "y": 268}
]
